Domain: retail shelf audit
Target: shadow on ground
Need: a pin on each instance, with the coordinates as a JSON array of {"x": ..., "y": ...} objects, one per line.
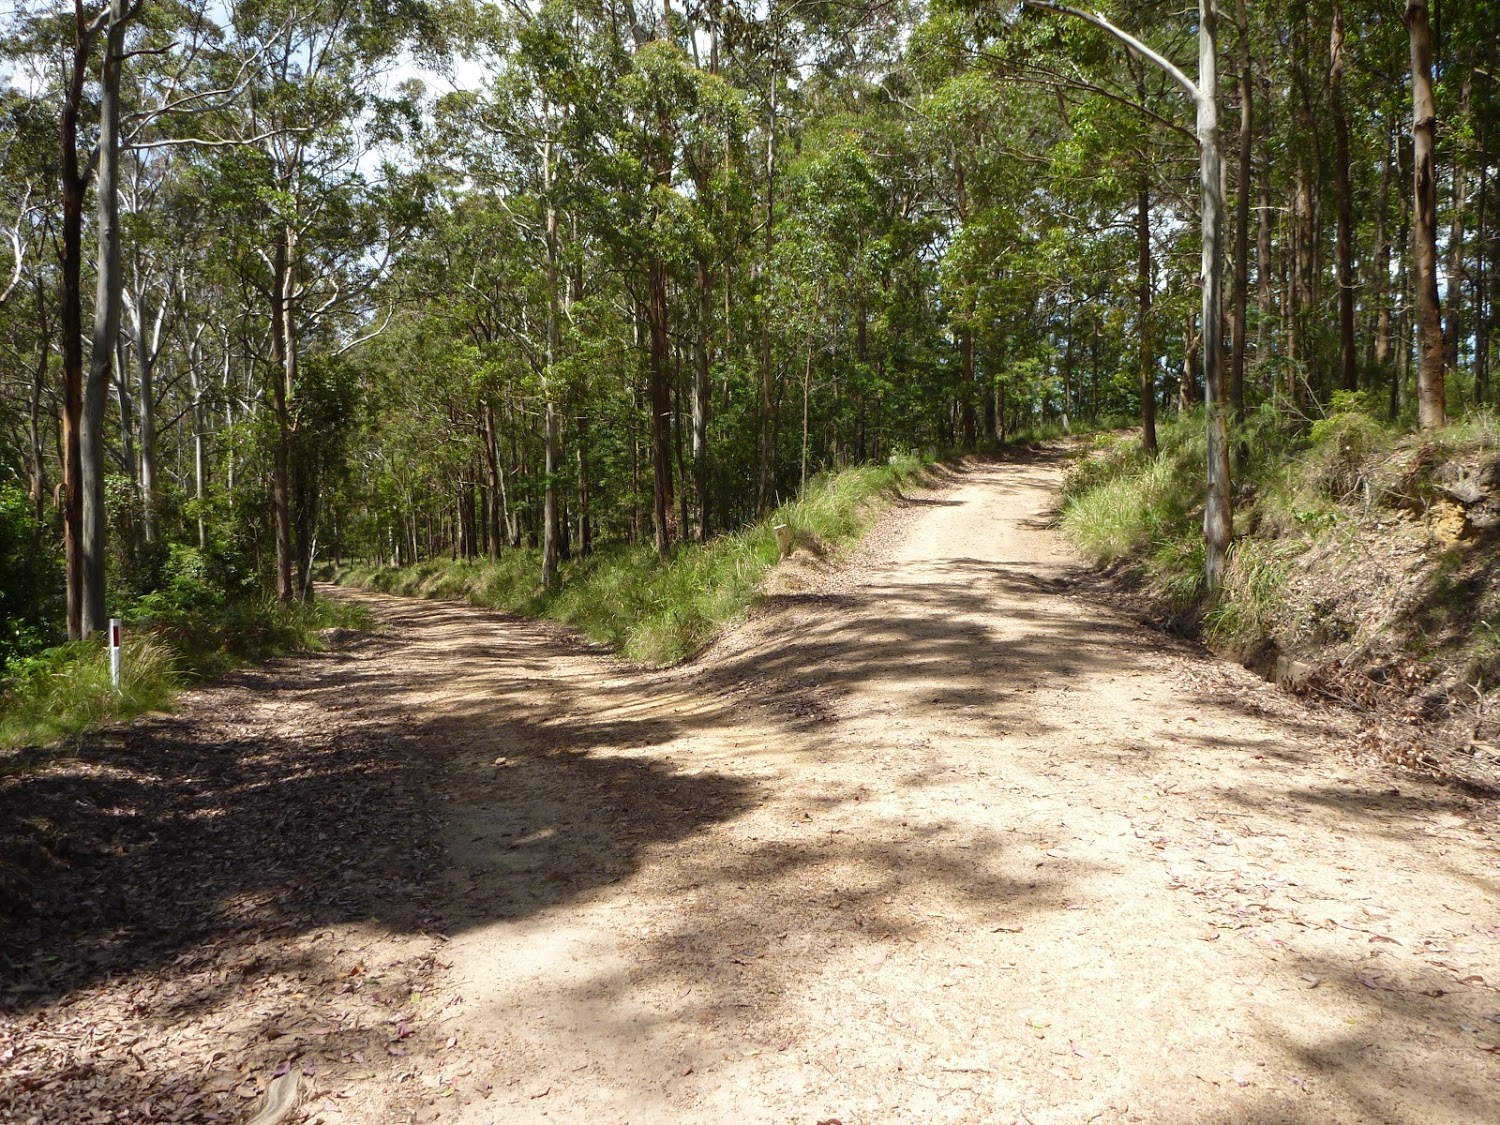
[{"x": 311, "y": 795}]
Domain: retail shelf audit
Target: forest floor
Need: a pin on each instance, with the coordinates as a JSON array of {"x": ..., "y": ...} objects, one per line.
[{"x": 938, "y": 835}]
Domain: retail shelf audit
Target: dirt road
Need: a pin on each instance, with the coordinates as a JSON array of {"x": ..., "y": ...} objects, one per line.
[
  {"x": 937, "y": 840},
  {"x": 936, "y": 837}
]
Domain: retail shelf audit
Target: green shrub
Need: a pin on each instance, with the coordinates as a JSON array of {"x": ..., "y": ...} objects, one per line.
[
  {"x": 1341, "y": 446},
  {"x": 32, "y": 611}
]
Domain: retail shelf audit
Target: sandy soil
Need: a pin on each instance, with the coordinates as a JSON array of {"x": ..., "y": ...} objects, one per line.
[{"x": 936, "y": 836}]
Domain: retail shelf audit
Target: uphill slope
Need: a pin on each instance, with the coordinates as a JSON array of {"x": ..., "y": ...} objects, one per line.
[{"x": 935, "y": 836}]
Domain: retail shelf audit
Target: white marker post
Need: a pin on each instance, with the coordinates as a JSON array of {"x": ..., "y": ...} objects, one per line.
[{"x": 114, "y": 652}]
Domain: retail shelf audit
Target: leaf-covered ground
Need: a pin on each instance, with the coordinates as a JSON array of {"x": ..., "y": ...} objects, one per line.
[{"x": 194, "y": 904}]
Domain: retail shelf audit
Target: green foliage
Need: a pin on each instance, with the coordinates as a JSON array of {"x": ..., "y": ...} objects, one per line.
[
  {"x": 1341, "y": 443},
  {"x": 32, "y": 613},
  {"x": 1252, "y": 602},
  {"x": 65, "y": 690},
  {"x": 1121, "y": 504}
]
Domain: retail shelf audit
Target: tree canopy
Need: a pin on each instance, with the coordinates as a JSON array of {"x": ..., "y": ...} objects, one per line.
[{"x": 400, "y": 278}]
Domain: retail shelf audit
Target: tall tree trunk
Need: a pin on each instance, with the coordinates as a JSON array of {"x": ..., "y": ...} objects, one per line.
[
  {"x": 1241, "y": 221},
  {"x": 1482, "y": 310},
  {"x": 764, "y": 483},
  {"x": 1381, "y": 281},
  {"x": 468, "y": 528},
  {"x": 968, "y": 420},
  {"x": 496, "y": 490},
  {"x": 806, "y": 395},
  {"x": 1432, "y": 409},
  {"x": 1406, "y": 283},
  {"x": 1143, "y": 315},
  {"x": 1265, "y": 269},
  {"x": 283, "y": 371},
  {"x": 684, "y": 514},
  {"x": 147, "y": 348},
  {"x": 551, "y": 528},
  {"x": 1218, "y": 512},
  {"x": 1453, "y": 333},
  {"x": 125, "y": 401},
  {"x": 661, "y": 408},
  {"x": 104, "y": 347},
  {"x": 585, "y": 503},
  {"x": 200, "y": 437},
  {"x": 703, "y": 361},
  {"x": 1299, "y": 281},
  {"x": 1348, "y": 368},
  {"x": 34, "y": 415}
]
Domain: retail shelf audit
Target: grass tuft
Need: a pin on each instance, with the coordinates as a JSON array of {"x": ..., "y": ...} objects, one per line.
[{"x": 66, "y": 690}]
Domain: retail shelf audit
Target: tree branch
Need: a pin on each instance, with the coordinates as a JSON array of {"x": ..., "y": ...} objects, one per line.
[{"x": 1124, "y": 37}]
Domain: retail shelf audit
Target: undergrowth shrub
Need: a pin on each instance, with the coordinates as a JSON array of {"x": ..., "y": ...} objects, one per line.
[
  {"x": 1341, "y": 445},
  {"x": 67, "y": 689},
  {"x": 1123, "y": 504},
  {"x": 1253, "y": 594}
]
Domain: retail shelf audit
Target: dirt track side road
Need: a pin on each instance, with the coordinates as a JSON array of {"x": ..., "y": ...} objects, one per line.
[{"x": 935, "y": 837}]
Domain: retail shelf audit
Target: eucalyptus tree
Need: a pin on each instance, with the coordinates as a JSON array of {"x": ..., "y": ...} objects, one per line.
[
  {"x": 669, "y": 110},
  {"x": 822, "y": 268},
  {"x": 716, "y": 225},
  {"x": 1218, "y": 515},
  {"x": 1431, "y": 393},
  {"x": 317, "y": 230},
  {"x": 72, "y": 38}
]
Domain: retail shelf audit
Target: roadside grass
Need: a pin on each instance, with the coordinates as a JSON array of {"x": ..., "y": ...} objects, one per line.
[
  {"x": 65, "y": 690},
  {"x": 1306, "y": 495},
  {"x": 652, "y": 611}
]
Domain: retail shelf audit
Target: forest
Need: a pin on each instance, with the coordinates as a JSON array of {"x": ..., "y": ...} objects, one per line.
[
  {"x": 292, "y": 282},
  {"x": 981, "y": 521}
]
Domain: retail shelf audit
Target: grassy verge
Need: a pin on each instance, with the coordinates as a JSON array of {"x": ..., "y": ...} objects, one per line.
[
  {"x": 651, "y": 611},
  {"x": 1340, "y": 541},
  {"x": 65, "y": 690}
]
